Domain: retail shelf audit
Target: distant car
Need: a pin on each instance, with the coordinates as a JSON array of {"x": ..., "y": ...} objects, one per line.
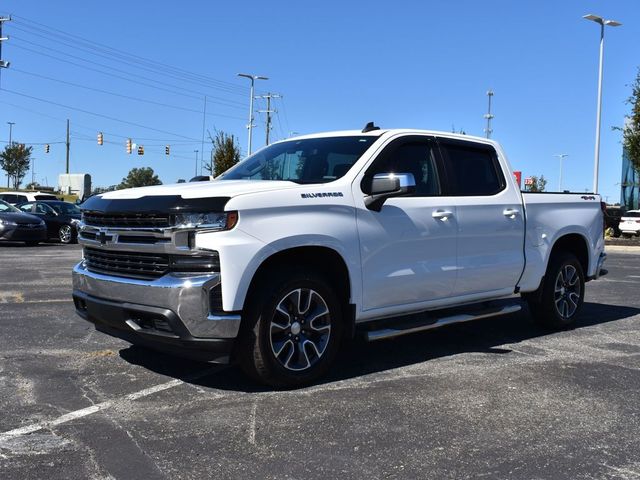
[
  {"x": 630, "y": 223},
  {"x": 14, "y": 198},
  {"x": 61, "y": 218},
  {"x": 612, "y": 216},
  {"x": 17, "y": 226}
]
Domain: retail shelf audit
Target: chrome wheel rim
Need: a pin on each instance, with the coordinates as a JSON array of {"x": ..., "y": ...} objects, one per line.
[
  {"x": 300, "y": 329},
  {"x": 567, "y": 291},
  {"x": 65, "y": 234}
]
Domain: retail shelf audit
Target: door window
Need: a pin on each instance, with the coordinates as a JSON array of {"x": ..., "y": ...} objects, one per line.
[
  {"x": 413, "y": 155},
  {"x": 26, "y": 207},
  {"x": 44, "y": 209},
  {"x": 472, "y": 169}
]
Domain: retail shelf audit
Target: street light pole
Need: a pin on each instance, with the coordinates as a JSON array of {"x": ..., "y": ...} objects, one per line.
[
  {"x": 611, "y": 23},
  {"x": 11, "y": 124},
  {"x": 561, "y": 156},
  {"x": 196, "y": 152},
  {"x": 253, "y": 78}
]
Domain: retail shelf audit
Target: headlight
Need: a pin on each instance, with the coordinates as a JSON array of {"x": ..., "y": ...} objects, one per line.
[
  {"x": 212, "y": 220},
  {"x": 42, "y": 224},
  {"x": 75, "y": 221},
  {"x": 7, "y": 223}
]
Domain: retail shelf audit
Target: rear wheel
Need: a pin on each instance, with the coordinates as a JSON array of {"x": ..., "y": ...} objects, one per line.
[
  {"x": 562, "y": 296},
  {"x": 292, "y": 330}
]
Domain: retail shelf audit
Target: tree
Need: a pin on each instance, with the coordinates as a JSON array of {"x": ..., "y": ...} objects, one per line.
[
  {"x": 15, "y": 160},
  {"x": 631, "y": 130},
  {"x": 139, "y": 177},
  {"x": 538, "y": 184},
  {"x": 226, "y": 152}
]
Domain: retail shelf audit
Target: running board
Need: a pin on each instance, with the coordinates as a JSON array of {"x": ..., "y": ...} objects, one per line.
[{"x": 398, "y": 330}]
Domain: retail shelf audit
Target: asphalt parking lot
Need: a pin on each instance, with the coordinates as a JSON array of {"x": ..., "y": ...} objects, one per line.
[{"x": 498, "y": 398}]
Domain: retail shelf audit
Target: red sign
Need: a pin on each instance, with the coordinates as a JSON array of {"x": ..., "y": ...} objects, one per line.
[{"x": 518, "y": 176}]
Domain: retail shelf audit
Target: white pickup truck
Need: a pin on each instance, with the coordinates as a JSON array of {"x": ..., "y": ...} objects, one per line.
[{"x": 312, "y": 239}]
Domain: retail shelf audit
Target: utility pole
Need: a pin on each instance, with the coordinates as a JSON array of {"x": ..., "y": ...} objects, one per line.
[
  {"x": 268, "y": 111},
  {"x": 11, "y": 124},
  {"x": 489, "y": 116},
  {"x": 67, "y": 146},
  {"x": 204, "y": 119},
  {"x": 196, "y": 174},
  {"x": 3, "y": 64}
]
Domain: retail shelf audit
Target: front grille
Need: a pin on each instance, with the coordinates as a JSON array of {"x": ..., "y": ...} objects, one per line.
[
  {"x": 125, "y": 220},
  {"x": 126, "y": 264},
  {"x": 30, "y": 226},
  {"x": 148, "y": 265}
]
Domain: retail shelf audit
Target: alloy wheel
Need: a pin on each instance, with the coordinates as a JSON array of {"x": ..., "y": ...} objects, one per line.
[
  {"x": 300, "y": 329},
  {"x": 567, "y": 291}
]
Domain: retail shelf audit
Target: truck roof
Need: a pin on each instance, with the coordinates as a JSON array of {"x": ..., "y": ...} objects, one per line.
[{"x": 393, "y": 131}]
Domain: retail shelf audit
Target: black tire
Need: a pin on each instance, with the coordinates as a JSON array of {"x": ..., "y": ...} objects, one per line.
[
  {"x": 559, "y": 303},
  {"x": 66, "y": 234},
  {"x": 308, "y": 345}
]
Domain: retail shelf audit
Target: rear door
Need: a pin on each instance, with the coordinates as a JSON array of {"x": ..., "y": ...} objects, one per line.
[{"x": 490, "y": 219}]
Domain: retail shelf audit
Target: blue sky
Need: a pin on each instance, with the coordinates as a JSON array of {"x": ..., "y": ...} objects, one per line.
[{"x": 418, "y": 64}]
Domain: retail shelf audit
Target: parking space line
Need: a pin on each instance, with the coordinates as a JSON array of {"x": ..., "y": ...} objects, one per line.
[{"x": 83, "y": 412}]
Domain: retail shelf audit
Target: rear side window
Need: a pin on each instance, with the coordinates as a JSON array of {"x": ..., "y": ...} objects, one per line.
[
  {"x": 46, "y": 197},
  {"x": 10, "y": 198},
  {"x": 472, "y": 170}
]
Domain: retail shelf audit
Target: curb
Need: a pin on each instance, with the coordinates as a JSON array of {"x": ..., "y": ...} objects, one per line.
[{"x": 622, "y": 248}]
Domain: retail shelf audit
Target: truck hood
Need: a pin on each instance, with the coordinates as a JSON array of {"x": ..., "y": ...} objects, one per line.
[{"x": 214, "y": 188}]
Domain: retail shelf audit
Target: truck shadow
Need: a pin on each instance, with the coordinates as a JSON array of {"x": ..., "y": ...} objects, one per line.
[{"x": 358, "y": 358}]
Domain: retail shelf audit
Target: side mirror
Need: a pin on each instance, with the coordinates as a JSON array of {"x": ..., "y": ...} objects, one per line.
[{"x": 387, "y": 185}]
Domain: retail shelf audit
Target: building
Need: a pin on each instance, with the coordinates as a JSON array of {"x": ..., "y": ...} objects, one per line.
[
  {"x": 75, "y": 183},
  {"x": 629, "y": 183}
]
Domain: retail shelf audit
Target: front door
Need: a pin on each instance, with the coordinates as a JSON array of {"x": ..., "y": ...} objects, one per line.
[{"x": 408, "y": 249}]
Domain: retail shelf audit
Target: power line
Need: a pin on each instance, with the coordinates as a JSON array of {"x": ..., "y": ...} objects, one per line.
[
  {"x": 96, "y": 114},
  {"x": 175, "y": 89},
  {"x": 126, "y": 56},
  {"x": 128, "y": 97}
]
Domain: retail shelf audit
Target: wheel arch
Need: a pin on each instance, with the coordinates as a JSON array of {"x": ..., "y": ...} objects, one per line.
[
  {"x": 574, "y": 243},
  {"x": 319, "y": 258}
]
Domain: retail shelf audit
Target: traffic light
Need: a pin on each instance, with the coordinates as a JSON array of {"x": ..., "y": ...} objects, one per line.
[
  {"x": 100, "y": 138},
  {"x": 46, "y": 148},
  {"x": 166, "y": 150},
  {"x": 129, "y": 146},
  {"x": 140, "y": 150}
]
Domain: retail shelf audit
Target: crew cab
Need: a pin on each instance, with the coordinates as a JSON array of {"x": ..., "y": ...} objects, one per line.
[{"x": 315, "y": 239}]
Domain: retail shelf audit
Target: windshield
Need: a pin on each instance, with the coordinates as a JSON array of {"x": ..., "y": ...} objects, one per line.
[
  {"x": 65, "y": 208},
  {"x": 5, "y": 208},
  {"x": 312, "y": 160}
]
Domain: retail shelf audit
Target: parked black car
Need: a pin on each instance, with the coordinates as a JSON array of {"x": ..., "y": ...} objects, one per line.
[
  {"x": 612, "y": 215},
  {"x": 61, "y": 218},
  {"x": 17, "y": 226}
]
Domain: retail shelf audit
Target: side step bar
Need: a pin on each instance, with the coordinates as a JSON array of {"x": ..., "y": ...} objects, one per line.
[{"x": 431, "y": 323}]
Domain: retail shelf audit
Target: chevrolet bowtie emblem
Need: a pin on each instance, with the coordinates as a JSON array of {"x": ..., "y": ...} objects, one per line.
[{"x": 102, "y": 238}]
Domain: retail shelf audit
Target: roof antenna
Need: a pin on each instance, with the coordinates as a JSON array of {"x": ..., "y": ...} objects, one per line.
[{"x": 369, "y": 127}]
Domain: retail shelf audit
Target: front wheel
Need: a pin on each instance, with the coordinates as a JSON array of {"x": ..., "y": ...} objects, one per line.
[
  {"x": 293, "y": 330},
  {"x": 65, "y": 234},
  {"x": 562, "y": 294}
]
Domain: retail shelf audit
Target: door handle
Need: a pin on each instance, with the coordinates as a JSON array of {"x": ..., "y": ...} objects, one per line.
[
  {"x": 442, "y": 214},
  {"x": 510, "y": 212}
]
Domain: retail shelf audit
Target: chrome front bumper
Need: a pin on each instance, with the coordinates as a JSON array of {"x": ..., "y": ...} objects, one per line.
[{"x": 186, "y": 297}]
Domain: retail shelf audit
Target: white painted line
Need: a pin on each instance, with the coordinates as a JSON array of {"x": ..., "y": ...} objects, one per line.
[
  {"x": 252, "y": 423},
  {"x": 83, "y": 412}
]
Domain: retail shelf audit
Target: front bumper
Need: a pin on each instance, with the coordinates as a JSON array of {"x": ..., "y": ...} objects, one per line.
[
  {"x": 172, "y": 312},
  {"x": 19, "y": 233}
]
